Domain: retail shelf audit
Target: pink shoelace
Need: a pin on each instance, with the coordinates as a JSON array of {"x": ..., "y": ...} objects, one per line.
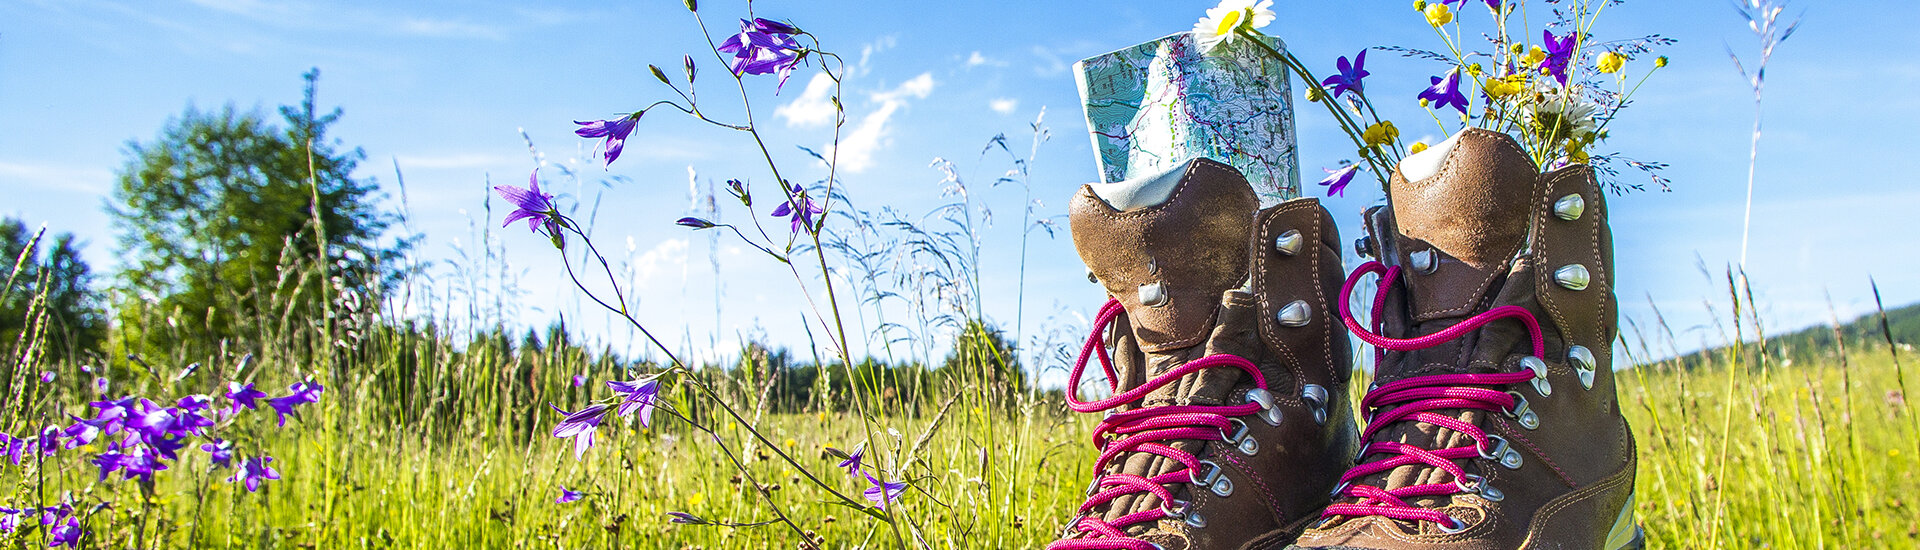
[
  {"x": 1143, "y": 430},
  {"x": 1413, "y": 399}
]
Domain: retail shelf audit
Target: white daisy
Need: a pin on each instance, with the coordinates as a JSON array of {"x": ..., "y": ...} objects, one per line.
[
  {"x": 1562, "y": 116},
  {"x": 1220, "y": 23}
]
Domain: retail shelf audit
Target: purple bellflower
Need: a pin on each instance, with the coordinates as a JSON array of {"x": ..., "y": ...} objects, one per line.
[
  {"x": 884, "y": 492},
  {"x": 614, "y": 130},
  {"x": 1350, "y": 75},
  {"x": 530, "y": 204},
  {"x": 764, "y": 47},
  {"x": 14, "y": 447},
  {"x": 220, "y": 452},
  {"x": 244, "y": 395},
  {"x": 1337, "y": 180},
  {"x": 685, "y": 518},
  {"x": 253, "y": 471},
  {"x": 100, "y": 385},
  {"x": 852, "y": 463},
  {"x": 803, "y": 216},
  {"x": 1446, "y": 91},
  {"x": 46, "y": 376},
  {"x": 640, "y": 396},
  {"x": 66, "y": 534},
  {"x": 1559, "y": 54},
  {"x": 579, "y": 380},
  {"x": 580, "y": 426},
  {"x": 303, "y": 393},
  {"x": 9, "y": 520},
  {"x": 567, "y": 496}
]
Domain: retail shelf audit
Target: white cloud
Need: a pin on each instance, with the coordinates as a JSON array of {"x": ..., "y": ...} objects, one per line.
[
  {"x": 1004, "y": 105},
  {"x": 856, "y": 150},
  {"x": 814, "y": 107},
  {"x": 94, "y": 181},
  {"x": 668, "y": 256},
  {"x": 975, "y": 59}
]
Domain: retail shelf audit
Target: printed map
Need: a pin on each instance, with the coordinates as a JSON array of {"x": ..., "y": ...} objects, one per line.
[{"x": 1153, "y": 106}]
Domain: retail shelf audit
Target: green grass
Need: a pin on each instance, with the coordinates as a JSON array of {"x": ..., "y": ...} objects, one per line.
[{"x": 1759, "y": 454}]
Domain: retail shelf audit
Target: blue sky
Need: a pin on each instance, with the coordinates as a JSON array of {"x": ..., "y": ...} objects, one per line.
[{"x": 445, "y": 88}]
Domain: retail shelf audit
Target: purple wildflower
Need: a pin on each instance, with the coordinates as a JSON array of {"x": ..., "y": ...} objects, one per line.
[
  {"x": 152, "y": 421},
  {"x": 803, "y": 216},
  {"x": 884, "y": 492},
  {"x": 253, "y": 471},
  {"x": 303, "y": 393},
  {"x": 46, "y": 376},
  {"x": 1350, "y": 75},
  {"x": 567, "y": 496},
  {"x": 579, "y": 380},
  {"x": 764, "y": 47},
  {"x": 1559, "y": 54},
  {"x": 220, "y": 452},
  {"x": 852, "y": 463},
  {"x": 1337, "y": 180},
  {"x": 530, "y": 204},
  {"x": 1446, "y": 91},
  {"x": 686, "y": 518},
  {"x": 138, "y": 462},
  {"x": 194, "y": 403},
  {"x": 615, "y": 130},
  {"x": 244, "y": 395},
  {"x": 640, "y": 396},
  {"x": 1492, "y": 4},
  {"x": 580, "y": 426},
  {"x": 9, "y": 520},
  {"x": 14, "y": 447},
  {"x": 100, "y": 385},
  {"x": 80, "y": 433},
  {"x": 66, "y": 534},
  {"x": 695, "y": 223}
]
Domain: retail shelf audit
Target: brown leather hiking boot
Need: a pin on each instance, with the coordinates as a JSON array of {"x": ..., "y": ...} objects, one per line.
[
  {"x": 1229, "y": 420},
  {"x": 1492, "y": 423}
]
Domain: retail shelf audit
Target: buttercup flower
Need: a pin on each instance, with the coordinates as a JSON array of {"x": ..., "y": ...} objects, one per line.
[
  {"x": 567, "y": 496},
  {"x": 580, "y": 426},
  {"x": 1507, "y": 86},
  {"x": 1446, "y": 91},
  {"x": 1610, "y": 63},
  {"x": 1221, "y": 22},
  {"x": 1438, "y": 14},
  {"x": 1337, "y": 180},
  {"x": 253, "y": 471},
  {"x": 639, "y": 396},
  {"x": 1559, "y": 54},
  {"x": 530, "y": 204},
  {"x": 1350, "y": 75},
  {"x": 1416, "y": 148},
  {"x": 1380, "y": 133},
  {"x": 803, "y": 216},
  {"x": 882, "y": 493}
]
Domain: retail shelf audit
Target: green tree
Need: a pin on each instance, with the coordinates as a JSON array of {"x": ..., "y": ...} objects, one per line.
[
  {"x": 49, "y": 291},
  {"x": 218, "y": 225}
]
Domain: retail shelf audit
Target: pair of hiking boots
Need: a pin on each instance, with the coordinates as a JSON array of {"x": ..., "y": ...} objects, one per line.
[{"x": 1491, "y": 424}]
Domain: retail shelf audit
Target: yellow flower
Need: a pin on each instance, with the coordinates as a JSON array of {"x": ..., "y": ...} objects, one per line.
[
  {"x": 1534, "y": 56},
  {"x": 1438, "y": 14},
  {"x": 1474, "y": 69},
  {"x": 1419, "y": 5},
  {"x": 790, "y": 443},
  {"x": 1499, "y": 88},
  {"x": 1893, "y": 453},
  {"x": 1382, "y": 133},
  {"x": 1417, "y": 147},
  {"x": 821, "y": 416},
  {"x": 1518, "y": 48},
  {"x": 1660, "y": 61},
  {"x": 696, "y": 498},
  {"x": 1610, "y": 62},
  {"x": 1222, "y": 21}
]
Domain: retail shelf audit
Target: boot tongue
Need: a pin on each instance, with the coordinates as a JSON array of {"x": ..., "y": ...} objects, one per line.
[
  {"x": 1168, "y": 247},
  {"x": 1460, "y": 226},
  {"x": 1168, "y": 262}
]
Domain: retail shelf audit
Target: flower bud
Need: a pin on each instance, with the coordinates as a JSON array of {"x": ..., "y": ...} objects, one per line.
[
  {"x": 692, "y": 6},
  {"x": 662, "y": 75},
  {"x": 1419, "y": 5},
  {"x": 1660, "y": 61},
  {"x": 695, "y": 223}
]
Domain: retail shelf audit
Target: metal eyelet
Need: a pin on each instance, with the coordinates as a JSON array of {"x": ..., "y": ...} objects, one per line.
[
  {"x": 1469, "y": 483},
  {"x": 1316, "y": 398},
  {"x": 1539, "y": 368},
  {"x": 1456, "y": 527},
  {"x": 1288, "y": 243},
  {"x": 1522, "y": 412},
  {"x": 1240, "y": 430},
  {"x": 1487, "y": 491},
  {"x": 1194, "y": 520},
  {"x": 1502, "y": 452},
  {"x": 1213, "y": 473},
  {"x": 1249, "y": 446},
  {"x": 1223, "y": 487},
  {"x": 1268, "y": 411},
  {"x": 1584, "y": 364}
]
